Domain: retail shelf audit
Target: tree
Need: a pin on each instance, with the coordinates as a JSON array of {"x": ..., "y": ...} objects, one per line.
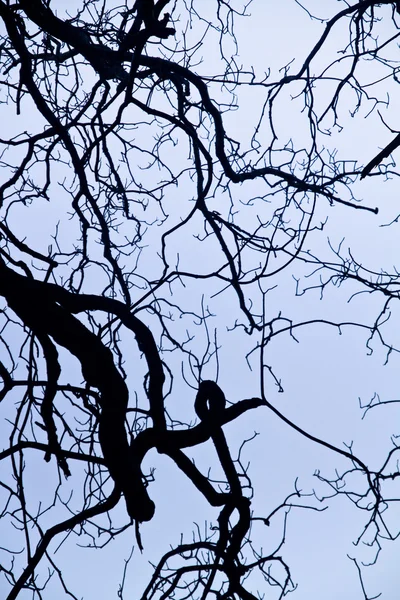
[{"x": 144, "y": 246}]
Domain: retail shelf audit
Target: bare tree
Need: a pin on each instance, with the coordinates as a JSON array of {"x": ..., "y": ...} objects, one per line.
[{"x": 128, "y": 211}]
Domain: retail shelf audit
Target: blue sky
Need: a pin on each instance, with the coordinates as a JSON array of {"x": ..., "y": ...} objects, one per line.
[{"x": 325, "y": 372}]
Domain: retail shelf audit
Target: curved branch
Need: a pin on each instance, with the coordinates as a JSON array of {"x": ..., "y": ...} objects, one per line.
[{"x": 70, "y": 523}]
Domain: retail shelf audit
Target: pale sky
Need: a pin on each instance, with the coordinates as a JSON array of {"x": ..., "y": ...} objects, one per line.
[{"x": 324, "y": 372}]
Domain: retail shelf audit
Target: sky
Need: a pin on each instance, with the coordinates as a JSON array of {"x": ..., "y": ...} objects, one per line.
[{"x": 325, "y": 373}]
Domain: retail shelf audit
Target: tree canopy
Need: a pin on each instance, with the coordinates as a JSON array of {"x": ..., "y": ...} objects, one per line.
[{"x": 178, "y": 185}]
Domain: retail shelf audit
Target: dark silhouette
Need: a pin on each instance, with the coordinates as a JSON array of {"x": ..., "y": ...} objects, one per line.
[
  {"x": 116, "y": 154},
  {"x": 376, "y": 161}
]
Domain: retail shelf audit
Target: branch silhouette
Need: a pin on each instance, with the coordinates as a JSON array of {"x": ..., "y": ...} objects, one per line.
[{"x": 375, "y": 162}]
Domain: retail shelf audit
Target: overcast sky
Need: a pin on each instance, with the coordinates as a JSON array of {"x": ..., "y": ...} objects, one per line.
[{"x": 324, "y": 373}]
